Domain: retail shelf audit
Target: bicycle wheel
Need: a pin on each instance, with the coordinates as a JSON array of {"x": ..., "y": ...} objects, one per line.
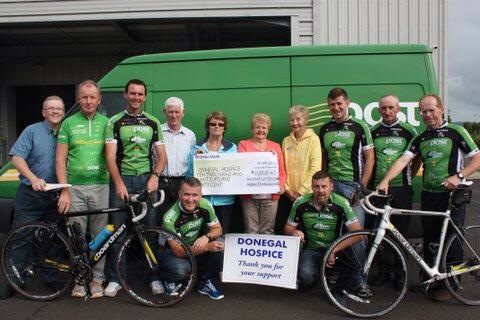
[
  {"x": 356, "y": 293},
  {"x": 458, "y": 255},
  {"x": 135, "y": 272},
  {"x": 37, "y": 261}
]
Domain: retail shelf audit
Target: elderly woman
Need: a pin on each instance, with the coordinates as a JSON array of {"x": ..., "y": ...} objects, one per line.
[
  {"x": 302, "y": 152},
  {"x": 214, "y": 142},
  {"x": 260, "y": 210}
]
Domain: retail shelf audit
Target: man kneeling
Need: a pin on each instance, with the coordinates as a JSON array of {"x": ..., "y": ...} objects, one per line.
[
  {"x": 318, "y": 218},
  {"x": 193, "y": 219}
]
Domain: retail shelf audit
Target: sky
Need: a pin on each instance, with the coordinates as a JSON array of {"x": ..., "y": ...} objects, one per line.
[{"x": 463, "y": 59}]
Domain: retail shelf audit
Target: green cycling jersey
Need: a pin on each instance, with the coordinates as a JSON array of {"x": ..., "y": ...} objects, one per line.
[
  {"x": 190, "y": 225},
  {"x": 343, "y": 144},
  {"x": 443, "y": 151},
  {"x": 135, "y": 136},
  {"x": 86, "y": 140},
  {"x": 390, "y": 142},
  {"x": 321, "y": 227}
]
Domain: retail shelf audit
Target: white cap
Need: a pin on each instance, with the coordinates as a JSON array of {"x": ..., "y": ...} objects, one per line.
[{"x": 174, "y": 102}]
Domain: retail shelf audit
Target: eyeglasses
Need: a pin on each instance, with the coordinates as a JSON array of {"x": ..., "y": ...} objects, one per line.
[
  {"x": 53, "y": 109},
  {"x": 217, "y": 124}
]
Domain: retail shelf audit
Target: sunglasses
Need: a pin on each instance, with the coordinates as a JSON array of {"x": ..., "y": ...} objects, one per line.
[{"x": 217, "y": 124}]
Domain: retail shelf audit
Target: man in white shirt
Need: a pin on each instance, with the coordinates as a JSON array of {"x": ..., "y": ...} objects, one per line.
[{"x": 179, "y": 141}]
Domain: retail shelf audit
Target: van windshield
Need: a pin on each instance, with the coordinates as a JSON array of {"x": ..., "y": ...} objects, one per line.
[{"x": 112, "y": 103}]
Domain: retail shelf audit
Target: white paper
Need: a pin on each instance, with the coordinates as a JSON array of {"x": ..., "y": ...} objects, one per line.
[
  {"x": 237, "y": 173},
  {"x": 54, "y": 186},
  {"x": 261, "y": 259}
]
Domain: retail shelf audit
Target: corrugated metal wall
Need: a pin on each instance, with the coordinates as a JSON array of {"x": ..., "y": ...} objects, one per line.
[
  {"x": 384, "y": 21},
  {"x": 312, "y": 22},
  {"x": 41, "y": 10}
]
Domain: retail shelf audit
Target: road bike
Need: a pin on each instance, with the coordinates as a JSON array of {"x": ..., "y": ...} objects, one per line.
[
  {"x": 41, "y": 261},
  {"x": 364, "y": 257}
]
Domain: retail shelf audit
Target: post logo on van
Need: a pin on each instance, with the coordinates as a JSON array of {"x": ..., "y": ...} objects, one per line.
[{"x": 408, "y": 113}]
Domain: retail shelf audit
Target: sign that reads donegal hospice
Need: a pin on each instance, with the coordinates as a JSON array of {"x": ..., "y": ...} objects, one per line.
[
  {"x": 261, "y": 259},
  {"x": 237, "y": 173}
]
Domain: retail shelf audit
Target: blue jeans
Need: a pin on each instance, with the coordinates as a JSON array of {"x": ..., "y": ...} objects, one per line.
[
  {"x": 224, "y": 214},
  {"x": 345, "y": 189},
  {"x": 176, "y": 269},
  {"x": 134, "y": 184},
  {"x": 32, "y": 206},
  {"x": 309, "y": 266}
]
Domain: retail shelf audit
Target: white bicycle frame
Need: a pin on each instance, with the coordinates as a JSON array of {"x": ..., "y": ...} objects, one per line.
[{"x": 385, "y": 224}]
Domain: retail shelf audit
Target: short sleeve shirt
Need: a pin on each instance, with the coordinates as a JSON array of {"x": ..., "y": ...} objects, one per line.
[
  {"x": 36, "y": 145},
  {"x": 443, "y": 151},
  {"x": 344, "y": 143},
  {"x": 135, "y": 136},
  {"x": 86, "y": 142},
  {"x": 177, "y": 147},
  {"x": 390, "y": 142},
  {"x": 190, "y": 225},
  {"x": 321, "y": 227}
]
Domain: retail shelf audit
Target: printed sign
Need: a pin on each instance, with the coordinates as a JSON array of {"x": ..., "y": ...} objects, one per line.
[
  {"x": 261, "y": 259},
  {"x": 237, "y": 173}
]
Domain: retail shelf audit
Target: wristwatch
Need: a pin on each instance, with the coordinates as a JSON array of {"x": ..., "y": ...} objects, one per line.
[
  {"x": 209, "y": 237},
  {"x": 158, "y": 174},
  {"x": 460, "y": 175}
]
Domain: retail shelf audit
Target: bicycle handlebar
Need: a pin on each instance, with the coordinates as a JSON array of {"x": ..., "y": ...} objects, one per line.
[
  {"x": 368, "y": 206},
  {"x": 142, "y": 198},
  {"x": 371, "y": 209}
]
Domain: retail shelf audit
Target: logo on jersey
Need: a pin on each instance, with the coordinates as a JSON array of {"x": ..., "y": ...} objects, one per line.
[
  {"x": 395, "y": 132},
  {"x": 389, "y": 152},
  {"x": 140, "y": 129},
  {"x": 320, "y": 226},
  {"x": 343, "y": 134},
  {"x": 438, "y": 142},
  {"x": 394, "y": 140},
  {"x": 434, "y": 154},
  {"x": 93, "y": 168},
  {"x": 190, "y": 234},
  {"x": 338, "y": 145},
  {"x": 137, "y": 139},
  {"x": 324, "y": 216},
  {"x": 194, "y": 224}
]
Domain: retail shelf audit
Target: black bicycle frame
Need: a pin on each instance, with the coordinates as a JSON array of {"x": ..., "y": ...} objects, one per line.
[{"x": 100, "y": 253}]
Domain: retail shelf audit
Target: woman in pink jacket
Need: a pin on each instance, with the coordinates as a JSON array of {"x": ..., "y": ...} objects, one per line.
[{"x": 260, "y": 210}]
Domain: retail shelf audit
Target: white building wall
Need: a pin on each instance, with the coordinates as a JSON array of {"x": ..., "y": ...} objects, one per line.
[
  {"x": 384, "y": 22},
  {"x": 313, "y": 21}
]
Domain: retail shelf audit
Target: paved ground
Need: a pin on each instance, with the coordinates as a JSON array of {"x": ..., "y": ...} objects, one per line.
[{"x": 240, "y": 302}]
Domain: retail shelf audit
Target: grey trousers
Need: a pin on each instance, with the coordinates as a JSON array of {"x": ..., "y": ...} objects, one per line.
[
  {"x": 259, "y": 215},
  {"x": 91, "y": 197}
]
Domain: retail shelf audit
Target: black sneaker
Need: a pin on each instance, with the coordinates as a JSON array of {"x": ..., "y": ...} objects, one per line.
[
  {"x": 363, "y": 290},
  {"x": 6, "y": 291}
]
